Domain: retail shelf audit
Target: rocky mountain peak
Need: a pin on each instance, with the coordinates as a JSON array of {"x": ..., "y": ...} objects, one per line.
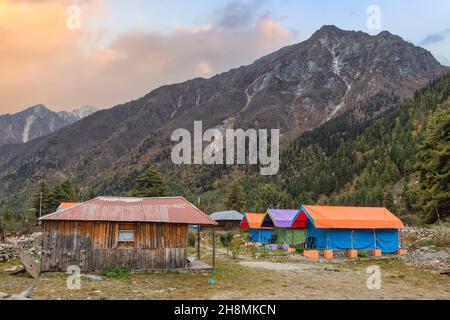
[{"x": 37, "y": 121}]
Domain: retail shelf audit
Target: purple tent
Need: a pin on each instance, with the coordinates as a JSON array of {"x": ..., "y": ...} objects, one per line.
[
  {"x": 281, "y": 221},
  {"x": 279, "y": 218}
]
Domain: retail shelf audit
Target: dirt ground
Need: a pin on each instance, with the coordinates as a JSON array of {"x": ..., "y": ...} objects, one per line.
[{"x": 274, "y": 278}]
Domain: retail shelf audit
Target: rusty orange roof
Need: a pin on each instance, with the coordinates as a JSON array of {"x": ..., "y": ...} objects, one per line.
[
  {"x": 349, "y": 217},
  {"x": 164, "y": 210},
  {"x": 67, "y": 205},
  {"x": 253, "y": 221}
]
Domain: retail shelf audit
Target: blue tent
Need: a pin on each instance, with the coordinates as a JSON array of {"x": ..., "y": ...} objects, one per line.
[{"x": 344, "y": 228}]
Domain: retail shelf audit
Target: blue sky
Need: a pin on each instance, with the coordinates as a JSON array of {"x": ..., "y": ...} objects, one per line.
[{"x": 411, "y": 19}]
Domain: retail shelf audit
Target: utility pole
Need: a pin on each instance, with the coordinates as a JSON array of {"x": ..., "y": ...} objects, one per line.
[{"x": 40, "y": 208}]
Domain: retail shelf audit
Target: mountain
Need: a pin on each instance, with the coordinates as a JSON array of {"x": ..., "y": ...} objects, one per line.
[
  {"x": 37, "y": 121},
  {"x": 297, "y": 89}
]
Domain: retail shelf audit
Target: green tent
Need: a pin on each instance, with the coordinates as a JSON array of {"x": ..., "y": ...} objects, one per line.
[{"x": 289, "y": 236}]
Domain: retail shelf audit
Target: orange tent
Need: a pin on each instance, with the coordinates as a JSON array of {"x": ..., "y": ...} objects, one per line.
[
  {"x": 253, "y": 221},
  {"x": 348, "y": 218},
  {"x": 66, "y": 205}
]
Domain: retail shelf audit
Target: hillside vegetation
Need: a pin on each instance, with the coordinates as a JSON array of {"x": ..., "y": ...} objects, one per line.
[{"x": 399, "y": 160}]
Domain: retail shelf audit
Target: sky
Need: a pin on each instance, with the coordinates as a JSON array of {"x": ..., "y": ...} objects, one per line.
[{"x": 69, "y": 53}]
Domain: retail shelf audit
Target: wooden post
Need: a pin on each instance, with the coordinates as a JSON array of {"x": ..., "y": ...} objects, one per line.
[
  {"x": 214, "y": 247},
  {"x": 198, "y": 242}
]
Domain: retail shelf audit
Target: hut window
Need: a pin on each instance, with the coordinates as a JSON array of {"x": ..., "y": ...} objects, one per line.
[{"x": 126, "y": 233}]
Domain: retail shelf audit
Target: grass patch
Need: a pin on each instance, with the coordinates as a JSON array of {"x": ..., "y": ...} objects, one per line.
[
  {"x": 116, "y": 273},
  {"x": 362, "y": 254}
]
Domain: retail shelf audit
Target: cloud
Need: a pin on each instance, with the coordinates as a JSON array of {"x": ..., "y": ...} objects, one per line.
[
  {"x": 237, "y": 15},
  {"x": 439, "y": 45},
  {"x": 41, "y": 61}
]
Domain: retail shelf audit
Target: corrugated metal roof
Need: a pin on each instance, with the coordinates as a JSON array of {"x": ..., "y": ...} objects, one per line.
[
  {"x": 227, "y": 216},
  {"x": 165, "y": 210}
]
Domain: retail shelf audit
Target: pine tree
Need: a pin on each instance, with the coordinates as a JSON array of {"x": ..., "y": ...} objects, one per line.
[
  {"x": 52, "y": 198},
  {"x": 150, "y": 184},
  {"x": 69, "y": 192},
  {"x": 235, "y": 199},
  {"x": 433, "y": 167}
]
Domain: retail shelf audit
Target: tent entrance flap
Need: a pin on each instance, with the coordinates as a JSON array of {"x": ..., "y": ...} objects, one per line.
[
  {"x": 290, "y": 236},
  {"x": 261, "y": 235}
]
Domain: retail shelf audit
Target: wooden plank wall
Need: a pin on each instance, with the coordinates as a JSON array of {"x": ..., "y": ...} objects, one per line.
[{"x": 94, "y": 246}]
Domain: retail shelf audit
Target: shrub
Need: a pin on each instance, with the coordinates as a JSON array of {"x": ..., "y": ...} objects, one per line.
[
  {"x": 113, "y": 272},
  {"x": 254, "y": 251},
  {"x": 235, "y": 247},
  {"x": 226, "y": 239},
  {"x": 362, "y": 254},
  {"x": 440, "y": 235},
  {"x": 191, "y": 239}
]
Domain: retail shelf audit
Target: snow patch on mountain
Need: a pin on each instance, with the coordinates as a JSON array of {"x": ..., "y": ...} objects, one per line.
[{"x": 26, "y": 129}]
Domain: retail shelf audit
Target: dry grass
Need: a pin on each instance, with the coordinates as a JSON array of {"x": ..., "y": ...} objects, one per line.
[{"x": 234, "y": 281}]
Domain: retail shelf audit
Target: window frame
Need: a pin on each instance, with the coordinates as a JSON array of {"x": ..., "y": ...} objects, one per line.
[
  {"x": 129, "y": 232},
  {"x": 128, "y": 228}
]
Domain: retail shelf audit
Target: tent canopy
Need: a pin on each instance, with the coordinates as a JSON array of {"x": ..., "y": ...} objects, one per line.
[
  {"x": 279, "y": 218},
  {"x": 253, "y": 221},
  {"x": 323, "y": 217}
]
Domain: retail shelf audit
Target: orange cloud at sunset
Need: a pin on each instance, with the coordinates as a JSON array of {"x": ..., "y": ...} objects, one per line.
[{"x": 42, "y": 61}]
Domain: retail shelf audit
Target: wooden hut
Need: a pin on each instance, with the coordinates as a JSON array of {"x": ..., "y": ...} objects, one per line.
[
  {"x": 136, "y": 233},
  {"x": 227, "y": 220}
]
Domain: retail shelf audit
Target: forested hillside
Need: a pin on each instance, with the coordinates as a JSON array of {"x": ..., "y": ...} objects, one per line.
[{"x": 400, "y": 161}]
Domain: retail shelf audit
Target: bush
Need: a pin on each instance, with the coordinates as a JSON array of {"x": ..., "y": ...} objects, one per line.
[
  {"x": 226, "y": 239},
  {"x": 191, "y": 239},
  {"x": 113, "y": 272},
  {"x": 440, "y": 235},
  {"x": 362, "y": 254},
  {"x": 235, "y": 247},
  {"x": 254, "y": 251}
]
